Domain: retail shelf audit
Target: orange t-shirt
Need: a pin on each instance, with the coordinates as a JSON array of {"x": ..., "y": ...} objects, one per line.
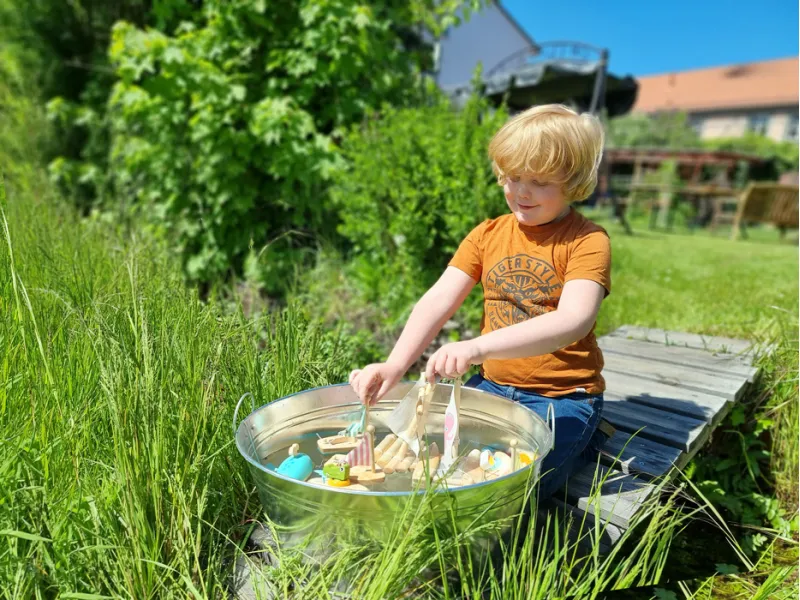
[{"x": 523, "y": 270}]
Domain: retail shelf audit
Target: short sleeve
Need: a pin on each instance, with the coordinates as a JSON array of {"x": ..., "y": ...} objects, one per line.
[
  {"x": 469, "y": 256},
  {"x": 590, "y": 258}
]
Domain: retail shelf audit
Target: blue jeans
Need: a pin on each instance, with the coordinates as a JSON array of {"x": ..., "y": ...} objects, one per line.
[{"x": 577, "y": 439}]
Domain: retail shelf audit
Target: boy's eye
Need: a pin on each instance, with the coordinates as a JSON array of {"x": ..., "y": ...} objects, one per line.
[{"x": 518, "y": 179}]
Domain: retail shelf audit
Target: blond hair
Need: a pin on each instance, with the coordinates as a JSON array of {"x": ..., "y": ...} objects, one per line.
[{"x": 551, "y": 142}]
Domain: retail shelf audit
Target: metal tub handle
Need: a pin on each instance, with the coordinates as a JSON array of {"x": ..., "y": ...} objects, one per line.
[
  {"x": 551, "y": 420},
  {"x": 236, "y": 410}
]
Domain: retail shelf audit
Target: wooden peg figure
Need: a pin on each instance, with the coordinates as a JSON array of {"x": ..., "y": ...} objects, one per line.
[
  {"x": 371, "y": 432},
  {"x": 420, "y": 426}
]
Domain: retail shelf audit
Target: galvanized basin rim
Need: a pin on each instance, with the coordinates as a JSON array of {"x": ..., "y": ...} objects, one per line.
[{"x": 544, "y": 446}]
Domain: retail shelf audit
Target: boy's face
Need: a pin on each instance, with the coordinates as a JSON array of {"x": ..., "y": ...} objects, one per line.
[{"x": 533, "y": 201}]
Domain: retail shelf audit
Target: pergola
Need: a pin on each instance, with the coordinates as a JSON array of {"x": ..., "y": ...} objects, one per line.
[{"x": 571, "y": 73}]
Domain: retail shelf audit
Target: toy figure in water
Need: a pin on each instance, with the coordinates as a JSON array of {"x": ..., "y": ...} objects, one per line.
[
  {"x": 297, "y": 465},
  {"x": 337, "y": 468}
]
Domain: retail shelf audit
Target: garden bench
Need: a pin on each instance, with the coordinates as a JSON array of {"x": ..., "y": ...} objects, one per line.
[{"x": 760, "y": 202}]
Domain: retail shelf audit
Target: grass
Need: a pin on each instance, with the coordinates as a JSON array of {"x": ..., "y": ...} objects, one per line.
[
  {"x": 697, "y": 282},
  {"x": 118, "y": 476}
]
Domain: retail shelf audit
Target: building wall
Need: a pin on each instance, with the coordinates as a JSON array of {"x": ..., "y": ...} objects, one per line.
[
  {"x": 775, "y": 122},
  {"x": 715, "y": 126},
  {"x": 487, "y": 37}
]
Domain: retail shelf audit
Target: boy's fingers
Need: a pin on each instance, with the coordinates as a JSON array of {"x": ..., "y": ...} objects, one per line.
[
  {"x": 361, "y": 385},
  {"x": 430, "y": 369},
  {"x": 441, "y": 365},
  {"x": 382, "y": 391},
  {"x": 370, "y": 388},
  {"x": 462, "y": 366},
  {"x": 451, "y": 366},
  {"x": 353, "y": 374},
  {"x": 374, "y": 388}
]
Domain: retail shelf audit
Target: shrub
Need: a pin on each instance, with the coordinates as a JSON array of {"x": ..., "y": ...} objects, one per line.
[
  {"x": 418, "y": 181},
  {"x": 785, "y": 155}
]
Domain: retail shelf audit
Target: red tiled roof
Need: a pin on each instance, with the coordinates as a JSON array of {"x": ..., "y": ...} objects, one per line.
[{"x": 749, "y": 85}]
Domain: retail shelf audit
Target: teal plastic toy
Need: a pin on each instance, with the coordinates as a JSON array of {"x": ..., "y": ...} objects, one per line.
[{"x": 297, "y": 465}]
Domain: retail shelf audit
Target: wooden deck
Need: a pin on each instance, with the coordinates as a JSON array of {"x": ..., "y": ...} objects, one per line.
[{"x": 665, "y": 393}]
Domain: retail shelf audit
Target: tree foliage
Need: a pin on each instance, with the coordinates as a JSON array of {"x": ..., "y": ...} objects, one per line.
[
  {"x": 226, "y": 132},
  {"x": 418, "y": 181},
  {"x": 62, "y": 48},
  {"x": 784, "y": 154},
  {"x": 663, "y": 130}
]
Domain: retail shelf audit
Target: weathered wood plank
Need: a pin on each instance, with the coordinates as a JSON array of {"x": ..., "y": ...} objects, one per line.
[
  {"x": 729, "y": 387},
  {"x": 710, "y": 343},
  {"x": 721, "y": 364},
  {"x": 671, "y": 429},
  {"x": 702, "y": 440},
  {"x": 634, "y": 454},
  {"x": 617, "y": 501},
  {"x": 671, "y": 388},
  {"x": 668, "y": 398}
]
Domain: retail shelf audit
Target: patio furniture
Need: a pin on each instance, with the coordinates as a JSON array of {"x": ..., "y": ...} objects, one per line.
[
  {"x": 638, "y": 172},
  {"x": 761, "y": 202}
]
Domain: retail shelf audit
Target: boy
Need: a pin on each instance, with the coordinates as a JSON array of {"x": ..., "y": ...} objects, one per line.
[{"x": 545, "y": 270}]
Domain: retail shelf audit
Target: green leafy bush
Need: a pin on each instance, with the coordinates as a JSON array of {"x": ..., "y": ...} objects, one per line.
[
  {"x": 665, "y": 130},
  {"x": 784, "y": 154},
  {"x": 225, "y": 133},
  {"x": 62, "y": 49},
  {"x": 418, "y": 181},
  {"x": 751, "y": 469}
]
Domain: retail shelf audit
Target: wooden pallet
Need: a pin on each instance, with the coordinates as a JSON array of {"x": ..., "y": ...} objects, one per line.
[{"x": 665, "y": 393}]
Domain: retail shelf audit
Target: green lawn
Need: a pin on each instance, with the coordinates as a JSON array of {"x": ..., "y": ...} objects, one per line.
[{"x": 697, "y": 282}]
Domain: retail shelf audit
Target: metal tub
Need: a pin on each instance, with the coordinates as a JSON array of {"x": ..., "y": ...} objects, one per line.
[{"x": 301, "y": 511}]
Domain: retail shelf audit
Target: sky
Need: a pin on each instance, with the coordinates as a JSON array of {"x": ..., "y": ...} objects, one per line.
[{"x": 648, "y": 37}]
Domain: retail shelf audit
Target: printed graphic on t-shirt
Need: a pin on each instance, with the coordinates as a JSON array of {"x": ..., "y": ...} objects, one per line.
[{"x": 518, "y": 288}]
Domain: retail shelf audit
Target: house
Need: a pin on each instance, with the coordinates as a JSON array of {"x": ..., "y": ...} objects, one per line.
[
  {"x": 490, "y": 37},
  {"x": 521, "y": 72},
  {"x": 729, "y": 101}
]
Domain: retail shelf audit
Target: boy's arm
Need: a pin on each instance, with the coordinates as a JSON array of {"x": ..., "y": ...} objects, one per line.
[
  {"x": 572, "y": 320},
  {"x": 430, "y": 314}
]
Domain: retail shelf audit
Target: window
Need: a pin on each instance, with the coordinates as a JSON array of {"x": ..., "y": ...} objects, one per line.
[
  {"x": 696, "y": 123},
  {"x": 757, "y": 123},
  {"x": 791, "y": 129}
]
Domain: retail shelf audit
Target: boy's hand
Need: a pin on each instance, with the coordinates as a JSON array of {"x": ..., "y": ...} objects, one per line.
[
  {"x": 453, "y": 360},
  {"x": 373, "y": 381}
]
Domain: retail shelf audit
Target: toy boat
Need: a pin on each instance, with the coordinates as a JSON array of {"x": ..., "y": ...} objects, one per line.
[{"x": 336, "y": 444}]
